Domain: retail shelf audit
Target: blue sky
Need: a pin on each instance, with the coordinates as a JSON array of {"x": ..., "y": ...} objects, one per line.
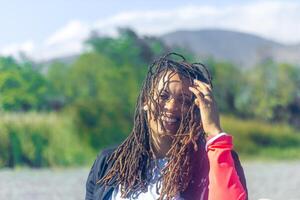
[
  {"x": 45, "y": 29},
  {"x": 21, "y": 20}
]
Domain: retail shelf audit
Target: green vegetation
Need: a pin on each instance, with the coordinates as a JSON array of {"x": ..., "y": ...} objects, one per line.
[
  {"x": 63, "y": 114},
  {"x": 40, "y": 139},
  {"x": 254, "y": 139},
  {"x": 21, "y": 86}
]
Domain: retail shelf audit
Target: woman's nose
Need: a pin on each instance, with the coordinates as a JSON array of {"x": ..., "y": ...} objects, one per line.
[{"x": 171, "y": 105}]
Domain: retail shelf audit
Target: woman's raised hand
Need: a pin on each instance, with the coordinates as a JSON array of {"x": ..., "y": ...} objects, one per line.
[{"x": 208, "y": 107}]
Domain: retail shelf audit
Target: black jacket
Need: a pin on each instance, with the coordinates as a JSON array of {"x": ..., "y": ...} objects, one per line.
[{"x": 100, "y": 167}]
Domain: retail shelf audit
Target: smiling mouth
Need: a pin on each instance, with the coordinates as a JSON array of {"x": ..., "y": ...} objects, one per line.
[{"x": 169, "y": 119}]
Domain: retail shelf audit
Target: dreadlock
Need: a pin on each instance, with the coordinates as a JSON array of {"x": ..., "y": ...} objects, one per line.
[{"x": 133, "y": 159}]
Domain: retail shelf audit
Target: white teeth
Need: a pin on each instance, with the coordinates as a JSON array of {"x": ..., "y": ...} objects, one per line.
[{"x": 168, "y": 119}]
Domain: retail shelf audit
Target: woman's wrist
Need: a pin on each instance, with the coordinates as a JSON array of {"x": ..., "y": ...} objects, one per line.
[{"x": 215, "y": 131}]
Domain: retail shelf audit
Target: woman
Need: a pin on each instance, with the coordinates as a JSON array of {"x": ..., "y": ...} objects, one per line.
[{"x": 177, "y": 148}]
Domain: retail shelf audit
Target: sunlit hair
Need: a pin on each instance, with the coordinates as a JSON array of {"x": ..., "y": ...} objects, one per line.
[{"x": 134, "y": 159}]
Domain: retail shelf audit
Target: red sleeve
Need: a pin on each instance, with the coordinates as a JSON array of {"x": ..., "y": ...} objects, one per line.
[{"x": 224, "y": 182}]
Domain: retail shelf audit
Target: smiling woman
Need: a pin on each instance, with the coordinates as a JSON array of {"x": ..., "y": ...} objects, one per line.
[{"x": 177, "y": 149}]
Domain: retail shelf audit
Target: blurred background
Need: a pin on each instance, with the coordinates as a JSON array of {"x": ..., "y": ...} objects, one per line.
[{"x": 70, "y": 73}]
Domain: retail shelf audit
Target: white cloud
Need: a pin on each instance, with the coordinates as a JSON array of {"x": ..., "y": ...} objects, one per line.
[
  {"x": 277, "y": 20},
  {"x": 159, "y": 21},
  {"x": 74, "y": 30},
  {"x": 59, "y": 50},
  {"x": 15, "y": 48},
  {"x": 66, "y": 41}
]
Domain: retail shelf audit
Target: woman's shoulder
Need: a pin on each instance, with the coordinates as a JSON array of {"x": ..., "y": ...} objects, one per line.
[
  {"x": 101, "y": 164},
  {"x": 105, "y": 153},
  {"x": 100, "y": 167},
  {"x": 102, "y": 161}
]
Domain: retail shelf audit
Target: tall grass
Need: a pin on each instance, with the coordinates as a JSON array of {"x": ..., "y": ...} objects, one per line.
[
  {"x": 52, "y": 139},
  {"x": 254, "y": 139},
  {"x": 40, "y": 139}
]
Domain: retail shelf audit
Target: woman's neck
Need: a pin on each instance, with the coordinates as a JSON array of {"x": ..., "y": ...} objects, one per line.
[{"x": 161, "y": 144}]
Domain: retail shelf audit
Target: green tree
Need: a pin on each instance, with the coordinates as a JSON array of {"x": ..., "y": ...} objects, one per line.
[
  {"x": 227, "y": 79},
  {"x": 21, "y": 86},
  {"x": 270, "y": 89},
  {"x": 57, "y": 77},
  {"x": 128, "y": 47},
  {"x": 102, "y": 97}
]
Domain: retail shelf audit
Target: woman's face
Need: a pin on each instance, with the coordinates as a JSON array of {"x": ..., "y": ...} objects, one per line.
[{"x": 174, "y": 99}]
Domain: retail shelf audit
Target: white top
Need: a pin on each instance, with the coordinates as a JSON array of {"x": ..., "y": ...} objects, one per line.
[
  {"x": 151, "y": 193},
  {"x": 151, "y": 189}
]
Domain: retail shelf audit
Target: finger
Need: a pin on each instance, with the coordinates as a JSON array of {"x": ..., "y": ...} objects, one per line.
[
  {"x": 203, "y": 99},
  {"x": 205, "y": 91},
  {"x": 197, "y": 93},
  {"x": 202, "y": 84},
  {"x": 197, "y": 102}
]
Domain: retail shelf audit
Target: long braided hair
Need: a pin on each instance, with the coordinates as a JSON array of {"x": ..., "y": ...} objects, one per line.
[{"x": 134, "y": 159}]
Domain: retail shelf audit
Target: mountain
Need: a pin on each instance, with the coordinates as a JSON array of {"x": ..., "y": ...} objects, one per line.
[
  {"x": 67, "y": 60},
  {"x": 243, "y": 49}
]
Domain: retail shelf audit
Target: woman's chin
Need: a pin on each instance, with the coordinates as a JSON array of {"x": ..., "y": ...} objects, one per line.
[{"x": 171, "y": 128}]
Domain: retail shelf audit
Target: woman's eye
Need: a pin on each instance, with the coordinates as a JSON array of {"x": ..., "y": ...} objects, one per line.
[{"x": 164, "y": 96}]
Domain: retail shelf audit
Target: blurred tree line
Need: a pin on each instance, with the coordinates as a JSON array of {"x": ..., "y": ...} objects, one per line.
[
  {"x": 98, "y": 90},
  {"x": 269, "y": 91}
]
